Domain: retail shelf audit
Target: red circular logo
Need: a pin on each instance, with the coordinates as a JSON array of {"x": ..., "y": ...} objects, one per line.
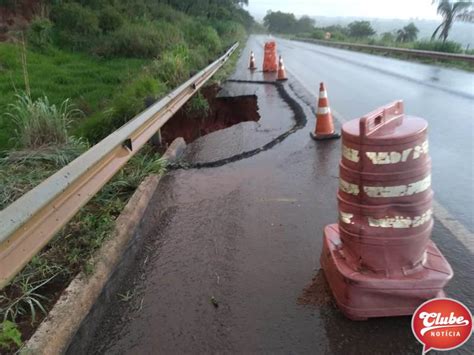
[{"x": 442, "y": 324}]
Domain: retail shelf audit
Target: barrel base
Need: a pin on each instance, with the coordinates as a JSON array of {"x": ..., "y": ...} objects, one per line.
[
  {"x": 322, "y": 137},
  {"x": 361, "y": 294}
]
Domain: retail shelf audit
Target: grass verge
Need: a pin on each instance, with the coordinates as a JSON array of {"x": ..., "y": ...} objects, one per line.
[
  {"x": 467, "y": 66},
  {"x": 26, "y": 301}
]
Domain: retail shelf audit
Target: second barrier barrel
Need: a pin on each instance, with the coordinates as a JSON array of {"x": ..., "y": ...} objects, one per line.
[
  {"x": 269, "y": 57},
  {"x": 385, "y": 196}
]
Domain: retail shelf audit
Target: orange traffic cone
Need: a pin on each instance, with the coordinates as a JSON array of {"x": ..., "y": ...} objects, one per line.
[
  {"x": 252, "y": 65},
  {"x": 324, "y": 123},
  {"x": 281, "y": 70},
  {"x": 269, "y": 58}
]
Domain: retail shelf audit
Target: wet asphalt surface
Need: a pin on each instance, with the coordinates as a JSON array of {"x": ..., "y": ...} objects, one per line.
[{"x": 229, "y": 249}]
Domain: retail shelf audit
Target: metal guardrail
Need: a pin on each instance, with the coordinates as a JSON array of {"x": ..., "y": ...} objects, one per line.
[
  {"x": 412, "y": 52},
  {"x": 30, "y": 222}
]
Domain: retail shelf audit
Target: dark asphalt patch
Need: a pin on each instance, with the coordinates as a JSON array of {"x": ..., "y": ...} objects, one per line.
[{"x": 298, "y": 116}]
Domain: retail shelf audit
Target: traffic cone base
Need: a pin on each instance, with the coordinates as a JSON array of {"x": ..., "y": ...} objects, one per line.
[{"x": 322, "y": 137}]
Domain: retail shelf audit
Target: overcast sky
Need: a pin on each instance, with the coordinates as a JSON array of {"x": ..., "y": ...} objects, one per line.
[{"x": 403, "y": 9}]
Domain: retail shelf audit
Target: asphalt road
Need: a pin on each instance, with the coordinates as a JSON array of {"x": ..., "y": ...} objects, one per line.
[
  {"x": 358, "y": 83},
  {"x": 229, "y": 250}
]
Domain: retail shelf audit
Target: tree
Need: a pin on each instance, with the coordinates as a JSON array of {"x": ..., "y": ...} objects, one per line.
[
  {"x": 407, "y": 33},
  {"x": 280, "y": 22},
  {"x": 304, "y": 25},
  {"x": 388, "y": 37},
  {"x": 360, "y": 29},
  {"x": 450, "y": 10}
]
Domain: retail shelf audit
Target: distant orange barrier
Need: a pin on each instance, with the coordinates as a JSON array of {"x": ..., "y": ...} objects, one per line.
[{"x": 270, "y": 58}]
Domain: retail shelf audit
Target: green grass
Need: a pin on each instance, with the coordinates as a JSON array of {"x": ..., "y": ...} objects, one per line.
[
  {"x": 29, "y": 296},
  {"x": 89, "y": 82},
  {"x": 449, "y": 47},
  {"x": 109, "y": 75}
]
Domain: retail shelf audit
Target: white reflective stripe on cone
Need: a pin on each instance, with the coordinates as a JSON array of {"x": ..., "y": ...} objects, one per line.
[
  {"x": 323, "y": 110},
  {"x": 323, "y": 94}
]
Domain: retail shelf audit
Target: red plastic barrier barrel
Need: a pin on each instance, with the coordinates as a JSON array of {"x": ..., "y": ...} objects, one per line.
[
  {"x": 385, "y": 190},
  {"x": 269, "y": 58},
  {"x": 379, "y": 259}
]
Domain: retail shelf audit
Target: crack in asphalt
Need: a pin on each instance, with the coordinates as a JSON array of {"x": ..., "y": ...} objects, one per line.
[{"x": 298, "y": 116}]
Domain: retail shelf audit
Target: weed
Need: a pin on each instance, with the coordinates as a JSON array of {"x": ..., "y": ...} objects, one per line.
[
  {"x": 197, "y": 106},
  {"x": 9, "y": 334},
  {"x": 172, "y": 66},
  {"x": 40, "y": 33},
  {"x": 127, "y": 296},
  {"x": 39, "y": 123},
  {"x": 439, "y": 46},
  {"x": 28, "y": 301}
]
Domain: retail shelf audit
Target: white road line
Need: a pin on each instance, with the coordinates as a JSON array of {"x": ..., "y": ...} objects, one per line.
[
  {"x": 454, "y": 226},
  {"x": 441, "y": 214}
]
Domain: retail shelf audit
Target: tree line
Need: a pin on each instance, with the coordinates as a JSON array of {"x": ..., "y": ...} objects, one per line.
[{"x": 451, "y": 11}]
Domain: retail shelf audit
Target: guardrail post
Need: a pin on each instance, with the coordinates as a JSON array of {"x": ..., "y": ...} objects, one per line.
[{"x": 156, "y": 139}]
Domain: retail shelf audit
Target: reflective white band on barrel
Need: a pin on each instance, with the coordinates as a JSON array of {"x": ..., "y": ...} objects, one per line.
[
  {"x": 350, "y": 154},
  {"x": 323, "y": 110},
  {"x": 387, "y": 191},
  {"x": 399, "y": 190},
  {"x": 391, "y": 222},
  {"x": 346, "y": 217},
  {"x": 401, "y": 221},
  {"x": 349, "y": 188},
  {"x": 381, "y": 158}
]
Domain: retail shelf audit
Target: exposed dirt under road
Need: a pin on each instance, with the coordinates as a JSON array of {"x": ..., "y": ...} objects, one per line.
[{"x": 223, "y": 112}]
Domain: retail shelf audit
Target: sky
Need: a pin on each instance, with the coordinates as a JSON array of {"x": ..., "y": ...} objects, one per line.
[{"x": 400, "y": 9}]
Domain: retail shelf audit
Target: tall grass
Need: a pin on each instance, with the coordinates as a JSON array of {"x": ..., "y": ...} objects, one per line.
[{"x": 39, "y": 123}]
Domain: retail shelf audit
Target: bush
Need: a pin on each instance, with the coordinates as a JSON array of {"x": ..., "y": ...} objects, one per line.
[
  {"x": 198, "y": 106},
  {"x": 172, "y": 66},
  {"x": 318, "y": 34},
  {"x": 38, "y": 123},
  {"x": 129, "y": 102},
  {"x": 74, "y": 18},
  {"x": 439, "y": 46},
  {"x": 199, "y": 58},
  {"x": 77, "y": 27},
  {"x": 146, "y": 40},
  {"x": 39, "y": 32},
  {"x": 229, "y": 32},
  {"x": 165, "y": 13},
  {"x": 338, "y": 36},
  {"x": 131, "y": 99},
  {"x": 198, "y": 34},
  {"x": 110, "y": 19}
]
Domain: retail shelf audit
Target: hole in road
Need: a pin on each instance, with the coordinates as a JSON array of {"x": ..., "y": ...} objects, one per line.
[{"x": 193, "y": 120}]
